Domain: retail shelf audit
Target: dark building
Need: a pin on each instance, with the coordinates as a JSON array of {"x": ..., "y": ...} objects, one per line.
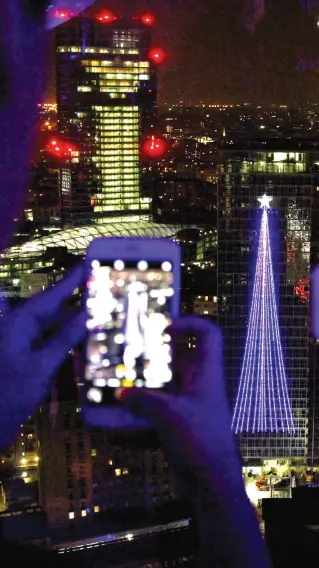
[
  {"x": 106, "y": 93},
  {"x": 183, "y": 200},
  {"x": 286, "y": 171},
  {"x": 83, "y": 474},
  {"x": 291, "y": 527}
]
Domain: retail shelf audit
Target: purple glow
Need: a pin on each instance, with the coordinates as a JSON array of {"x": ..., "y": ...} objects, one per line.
[{"x": 263, "y": 403}]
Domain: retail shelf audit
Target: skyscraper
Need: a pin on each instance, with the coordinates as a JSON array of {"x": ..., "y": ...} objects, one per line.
[
  {"x": 285, "y": 171},
  {"x": 106, "y": 94}
]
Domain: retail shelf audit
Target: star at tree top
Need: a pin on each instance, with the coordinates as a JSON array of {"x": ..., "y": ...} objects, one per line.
[{"x": 264, "y": 201}]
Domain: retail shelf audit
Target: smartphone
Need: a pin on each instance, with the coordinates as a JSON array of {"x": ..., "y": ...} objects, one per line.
[
  {"x": 314, "y": 296},
  {"x": 132, "y": 294}
]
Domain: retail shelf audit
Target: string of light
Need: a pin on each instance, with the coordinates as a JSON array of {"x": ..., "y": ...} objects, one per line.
[{"x": 263, "y": 403}]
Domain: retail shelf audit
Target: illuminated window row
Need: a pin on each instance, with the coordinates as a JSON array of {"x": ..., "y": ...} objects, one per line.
[
  {"x": 115, "y": 193},
  {"x": 117, "y": 119},
  {"x": 117, "y": 164},
  {"x": 115, "y": 133},
  {"x": 110, "y": 166},
  {"x": 114, "y": 51},
  {"x": 123, "y": 141},
  {"x": 123, "y": 183},
  {"x": 115, "y": 143},
  {"x": 110, "y": 179},
  {"x": 119, "y": 90},
  {"x": 118, "y": 109},
  {"x": 106, "y": 156},
  {"x": 72, "y": 49},
  {"x": 124, "y": 74},
  {"x": 119, "y": 83},
  {"x": 119, "y": 129},
  {"x": 117, "y": 116},
  {"x": 116, "y": 208},
  {"x": 122, "y": 129},
  {"x": 103, "y": 123},
  {"x": 113, "y": 95},
  {"x": 118, "y": 197},
  {"x": 120, "y": 174},
  {"x": 118, "y": 178},
  {"x": 118, "y": 73},
  {"x": 108, "y": 151},
  {"x": 113, "y": 167},
  {"x": 96, "y": 63}
]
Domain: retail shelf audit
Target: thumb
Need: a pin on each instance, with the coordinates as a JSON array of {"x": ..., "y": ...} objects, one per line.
[{"x": 147, "y": 403}]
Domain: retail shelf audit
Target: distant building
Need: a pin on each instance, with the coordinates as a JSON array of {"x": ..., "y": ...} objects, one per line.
[
  {"x": 184, "y": 200},
  {"x": 106, "y": 93},
  {"x": 82, "y": 473},
  {"x": 286, "y": 170}
]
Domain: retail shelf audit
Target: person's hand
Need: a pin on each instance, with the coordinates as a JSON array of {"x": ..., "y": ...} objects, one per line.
[
  {"x": 195, "y": 425},
  {"x": 34, "y": 340},
  {"x": 22, "y": 80},
  {"x": 195, "y": 429}
]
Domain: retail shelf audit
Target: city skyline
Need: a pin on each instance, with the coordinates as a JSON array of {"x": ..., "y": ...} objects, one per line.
[{"x": 214, "y": 57}]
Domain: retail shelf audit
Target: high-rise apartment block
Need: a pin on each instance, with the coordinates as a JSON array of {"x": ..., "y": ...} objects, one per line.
[
  {"x": 106, "y": 95},
  {"x": 287, "y": 172},
  {"x": 82, "y": 473}
]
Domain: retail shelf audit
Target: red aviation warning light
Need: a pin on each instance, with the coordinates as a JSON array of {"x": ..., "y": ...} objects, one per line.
[
  {"x": 60, "y": 149},
  {"x": 148, "y": 19},
  {"x": 157, "y": 55},
  {"x": 63, "y": 14},
  {"x": 154, "y": 147},
  {"x": 106, "y": 17}
]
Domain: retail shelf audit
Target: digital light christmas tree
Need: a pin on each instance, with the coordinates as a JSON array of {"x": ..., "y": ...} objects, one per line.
[{"x": 263, "y": 403}]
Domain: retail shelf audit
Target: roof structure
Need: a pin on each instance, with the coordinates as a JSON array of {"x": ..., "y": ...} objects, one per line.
[{"x": 76, "y": 240}]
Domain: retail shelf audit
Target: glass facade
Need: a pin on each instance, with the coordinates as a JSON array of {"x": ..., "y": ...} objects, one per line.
[
  {"x": 106, "y": 91},
  {"x": 289, "y": 178}
]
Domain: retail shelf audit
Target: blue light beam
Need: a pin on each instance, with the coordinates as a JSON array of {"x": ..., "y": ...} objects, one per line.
[{"x": 263, "y": 403}]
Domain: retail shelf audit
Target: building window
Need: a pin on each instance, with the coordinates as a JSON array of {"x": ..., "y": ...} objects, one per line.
[
  {"x": 71, "y": 515},
  {"x": 96, "y": 509},
  {"x": 118, "y": 472},
  {"x": 83, "y": 513}
]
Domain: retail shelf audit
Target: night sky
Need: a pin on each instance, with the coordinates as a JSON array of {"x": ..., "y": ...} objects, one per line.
[{"x": 230, "y": 51}]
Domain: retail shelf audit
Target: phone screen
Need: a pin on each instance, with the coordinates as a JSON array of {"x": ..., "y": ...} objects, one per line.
[{"x": 128, "y": 306}]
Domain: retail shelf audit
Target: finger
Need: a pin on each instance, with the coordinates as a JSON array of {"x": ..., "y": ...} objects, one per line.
[
  {"x": 203, "y": 372},
  {"x": 152, "y": 406},
  {"x": 55, "y": 351},
  {"x": 47, "y": 303}
]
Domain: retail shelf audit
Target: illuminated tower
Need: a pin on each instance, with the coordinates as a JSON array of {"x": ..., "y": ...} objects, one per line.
[
  {"x": 106, "y": 94},
  {"x": 286, "y": 170},
  {"x": 263, "y": 403}
]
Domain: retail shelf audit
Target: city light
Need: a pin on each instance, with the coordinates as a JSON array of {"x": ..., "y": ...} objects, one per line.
[
  {"x": 106, "y": 17},
  {"x": 60, "y": 149},
  {"x": 148, "y": 19},
  {"x": 63, "y": 14},
  {"x": 263, "y": 403},
  {"x": 157, "y": 55},
  {"x": 154, "y": 147}
]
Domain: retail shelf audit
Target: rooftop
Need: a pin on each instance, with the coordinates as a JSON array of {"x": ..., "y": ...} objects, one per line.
[
  {"x": 240, "y": 144},
  {"x": 76, "y": 240}
]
